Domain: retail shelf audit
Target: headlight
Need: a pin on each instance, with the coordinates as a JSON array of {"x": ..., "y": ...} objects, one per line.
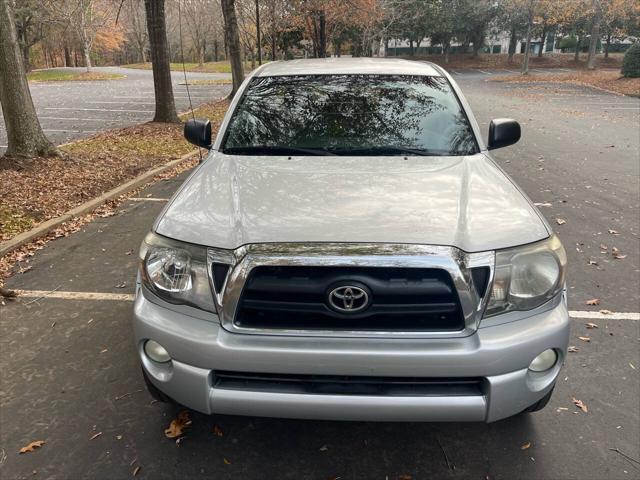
[
  {"x": 176, "y": 272},
  {"x": 527, "y": 277}
]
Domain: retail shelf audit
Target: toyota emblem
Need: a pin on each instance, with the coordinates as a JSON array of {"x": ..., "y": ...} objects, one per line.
[{"x": 348, "y": 299}]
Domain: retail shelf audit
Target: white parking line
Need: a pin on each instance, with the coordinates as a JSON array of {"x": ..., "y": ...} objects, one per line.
[
  {"x": 129, "y": 297},
  {"x": 79, "y": 119},
  {"x": 68, "y": 131},
  {"x": 125, "y": 101},
  {"x": 122, "y": 297},
  {"x": 97, "y": 109},
  {"x": 148, "y": 199},
  {"x": 604, "y": 316},
  {"x": 486, "y": 73}
]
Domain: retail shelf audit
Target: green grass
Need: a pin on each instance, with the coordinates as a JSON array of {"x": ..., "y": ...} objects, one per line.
[
  {"x": 208, "y": 67},
  {"x": 69, "y": 76},
  {"x": 217, "y": 81},
  {"x": 13, "y": 221}
]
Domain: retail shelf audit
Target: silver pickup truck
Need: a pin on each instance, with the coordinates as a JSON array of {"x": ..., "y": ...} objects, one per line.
[{"x": 348, "y": 250}]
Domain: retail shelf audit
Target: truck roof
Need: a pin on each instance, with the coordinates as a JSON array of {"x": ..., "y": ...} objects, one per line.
[{"x": 348, "y": 66}]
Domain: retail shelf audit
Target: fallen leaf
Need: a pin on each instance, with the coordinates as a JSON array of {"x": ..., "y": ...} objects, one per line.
[
  {"x": 178, "y": 425},
  {"x": 593, "y": 262},
  {"x": 545, "y": 204},
  {"x": 606, "y": 312},
  {"x": 324, "y": 448},
  {"x": 129, "y": 252},
  {"x": 617, "y": 254},
  {"x": 95, "y": 435},
  {"x": 580, "y": 404},
  {"x": 32, "y": 446},
  {"x": 585, "y": 339},
  {"x": 136, "y": 470},
  {"x": 104, "y": 350},
  {"x": 593, "y": 301},
  {"x": 525, "y": 446},
  {"x": 632, "y": 366},
  {"x": 217, "y": 431},
  {"x": 121, "y": 285},
  {"x": 226, "y": 462},
  {"x": 590, "y": 325},
  {"x": 613, "y": 232},
  {"x": 603, "y": 247},
  {"x": 572, "y": 349},
  {"x": 119, "y": 437},
  {"x": 560, "y": 221},
  {"x": 405, "y": 477}
]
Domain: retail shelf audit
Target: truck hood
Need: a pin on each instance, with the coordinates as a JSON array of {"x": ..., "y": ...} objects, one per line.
[{"x": 466, "y": 202}]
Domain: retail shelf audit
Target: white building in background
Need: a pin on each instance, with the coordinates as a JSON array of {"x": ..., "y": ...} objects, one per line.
[{"x": 496, "y": 42}]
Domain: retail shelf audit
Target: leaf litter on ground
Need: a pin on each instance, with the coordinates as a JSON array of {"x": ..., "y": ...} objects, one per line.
[
  {"x": 32, "y": 446},
  {"x": 178, "y": 425}
]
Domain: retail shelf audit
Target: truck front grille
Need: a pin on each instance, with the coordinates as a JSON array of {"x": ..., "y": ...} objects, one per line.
[
  {"x": 347, "y": 384},
  {"x": 398, "y": 299}
]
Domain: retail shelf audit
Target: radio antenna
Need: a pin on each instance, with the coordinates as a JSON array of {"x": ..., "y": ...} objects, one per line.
[{"x": 184, "y": 69}]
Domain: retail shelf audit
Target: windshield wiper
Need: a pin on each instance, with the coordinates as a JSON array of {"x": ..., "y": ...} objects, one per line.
[
  {"x": 390, "y": 150},
  {"x": 275, "y": 150}
]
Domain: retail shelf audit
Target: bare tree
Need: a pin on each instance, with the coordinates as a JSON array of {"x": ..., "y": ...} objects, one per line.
[
  {"x": 160, "y": 59},
  {"x": 531, "y": 6},
  {"x": 595, "y": 33},
  {"x": 232, "y": 39},
  {"x": 136, "y": 27},
  {"x": 198, "y": 15},
  {"x": 24, "y": 132}
]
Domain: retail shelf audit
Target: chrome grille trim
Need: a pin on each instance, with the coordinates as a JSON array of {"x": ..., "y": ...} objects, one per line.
[{"x": 456, "y": 262}]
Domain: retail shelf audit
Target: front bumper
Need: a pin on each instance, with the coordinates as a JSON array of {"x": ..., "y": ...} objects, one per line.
[{"x": 498, "y": 354}]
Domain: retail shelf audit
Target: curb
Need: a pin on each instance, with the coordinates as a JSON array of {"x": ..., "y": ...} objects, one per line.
[{"x": 53, "y": 223}]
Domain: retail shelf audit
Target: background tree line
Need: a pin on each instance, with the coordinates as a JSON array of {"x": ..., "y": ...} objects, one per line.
[{"x": 86, "y": 32}]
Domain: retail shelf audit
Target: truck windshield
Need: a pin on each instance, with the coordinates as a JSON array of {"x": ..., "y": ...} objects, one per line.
[{"x": 349, "y": 115}]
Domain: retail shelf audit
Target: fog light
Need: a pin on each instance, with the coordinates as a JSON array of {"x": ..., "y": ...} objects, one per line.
[
  {"x": 544, "y": 361},
  {"x": 156, "y": 352}
]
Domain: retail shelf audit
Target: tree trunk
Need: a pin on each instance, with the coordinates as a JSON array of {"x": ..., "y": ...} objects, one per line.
[
  {"x": 476, "y": 48},
  {"x": 527, "y": 48},
  {"x": 258, "y": 39},
  {"x": 323, "y": 35},
  {"x": 513, "y": 40},
  {"x": 84, "y": 39},
  {"x": 446, "y": 46},
  {"x": 274, "y": 32},
  {"x": 215, "y": 50},
  {"x": 607, "y": 45},
  {"x": 24, "y": 132},
  {"x": 157, "y": 27},
  {"x": 543, "y": 41},
  {"x": 67, "y": 57},
  {"x": 201, "y": 54},
  {"x": 576, "y": 57},
  {"x": 233, "y": 41},
  {"x": 411, "y": 47},
  {"x": 593, "y": 43}
]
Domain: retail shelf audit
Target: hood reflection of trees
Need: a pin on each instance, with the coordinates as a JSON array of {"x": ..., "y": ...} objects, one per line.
[{"x": 351, "y": 111}]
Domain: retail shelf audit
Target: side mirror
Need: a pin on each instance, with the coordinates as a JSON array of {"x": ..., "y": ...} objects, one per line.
[
  {"x": 198, "y": 132},
  {"x": 503, "y": 132}
]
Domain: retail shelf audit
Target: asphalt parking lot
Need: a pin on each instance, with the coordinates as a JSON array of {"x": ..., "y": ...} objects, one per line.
[
  {"x": 77, "y": 109},
  {"x": 68, "y": 369}
]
